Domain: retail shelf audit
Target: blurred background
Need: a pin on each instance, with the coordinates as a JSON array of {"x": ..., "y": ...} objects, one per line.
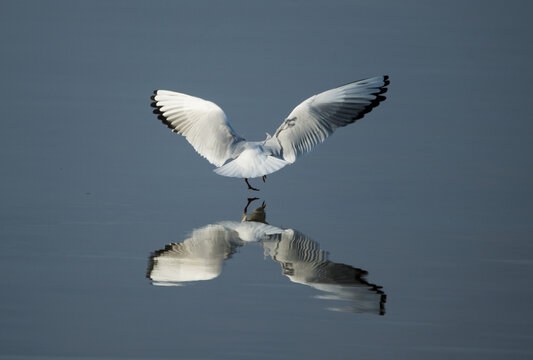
[{"x": 430, "y": 193}]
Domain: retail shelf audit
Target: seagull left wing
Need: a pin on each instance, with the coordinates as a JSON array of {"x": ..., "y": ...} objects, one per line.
[
  {"x": 202, "y": 122},
  {"x": 311, "y": 122}
]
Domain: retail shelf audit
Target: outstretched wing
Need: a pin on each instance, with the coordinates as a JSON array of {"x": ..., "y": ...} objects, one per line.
[
  {"x": 202, "y": 122},
  {"x": 311, "y": 122}
]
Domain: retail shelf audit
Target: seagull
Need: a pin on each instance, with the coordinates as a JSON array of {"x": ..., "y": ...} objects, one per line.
[
  {"x": 206, "y": 127},
  {"x": 202, "y": 256}
]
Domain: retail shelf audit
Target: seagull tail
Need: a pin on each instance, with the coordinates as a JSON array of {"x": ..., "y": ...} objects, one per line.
[{"x": 261, "y": 166}]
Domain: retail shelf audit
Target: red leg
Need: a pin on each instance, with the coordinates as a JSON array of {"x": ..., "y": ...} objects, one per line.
[
  {"x": 250, "y": 200},
  {"x": 250, "y": 186}
]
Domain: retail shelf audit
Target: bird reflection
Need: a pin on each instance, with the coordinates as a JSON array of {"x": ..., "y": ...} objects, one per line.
[{"x": 200, "y": 257}]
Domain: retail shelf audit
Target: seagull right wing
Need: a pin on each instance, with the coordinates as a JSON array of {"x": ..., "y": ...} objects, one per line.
[
  {"x": 202, "y": 122},
  {"x": 311, "y": 122}
]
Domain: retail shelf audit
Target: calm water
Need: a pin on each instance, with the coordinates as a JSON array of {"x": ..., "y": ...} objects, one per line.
[{"x": 406, "y": 235}]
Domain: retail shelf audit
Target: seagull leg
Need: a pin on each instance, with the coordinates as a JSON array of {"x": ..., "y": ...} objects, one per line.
[
  {"x": 250, "y": 200},
  {"x": 250, "y": 186},
  {"x": 264, "y": 178}
]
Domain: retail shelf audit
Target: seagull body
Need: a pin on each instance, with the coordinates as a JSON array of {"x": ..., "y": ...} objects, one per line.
[{"x": 207, "y": 129}]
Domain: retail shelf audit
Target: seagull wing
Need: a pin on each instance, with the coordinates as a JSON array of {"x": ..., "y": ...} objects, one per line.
[
  {"x": 202, "y": 122},
  {"x": 311, "y": 122}
]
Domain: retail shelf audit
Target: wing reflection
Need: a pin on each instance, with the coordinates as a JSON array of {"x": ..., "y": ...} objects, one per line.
[
  {"x": 197, "y": 258},
  {"x": 200, "y": 257},
  {"x": 303, "y": 262}
]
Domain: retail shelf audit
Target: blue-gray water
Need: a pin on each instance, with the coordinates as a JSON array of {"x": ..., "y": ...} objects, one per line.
[{"x": 430, "y": 194}]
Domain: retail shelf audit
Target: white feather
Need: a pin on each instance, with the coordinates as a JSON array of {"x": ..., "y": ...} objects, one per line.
[
  {"x": 252, "y": 162},
  {"x": 207, "y": 129},
  {"x": 202, "y": 123},
  {"x": 311, "y": 122}
]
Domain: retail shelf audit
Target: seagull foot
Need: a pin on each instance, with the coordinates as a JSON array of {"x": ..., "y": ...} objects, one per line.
[
  {"x": 264, "y": 178},
  {"x": 250, "y": 187},
  {"x": 250, "y": 200}
]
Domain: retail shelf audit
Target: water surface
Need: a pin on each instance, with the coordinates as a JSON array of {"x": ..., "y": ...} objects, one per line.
[{"x": 415, "y": 221}]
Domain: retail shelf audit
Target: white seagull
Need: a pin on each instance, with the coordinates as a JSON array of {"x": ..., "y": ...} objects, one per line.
[{"x": 207, "y": 129}]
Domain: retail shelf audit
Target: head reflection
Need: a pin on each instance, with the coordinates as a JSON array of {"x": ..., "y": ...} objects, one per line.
[{"x": 200, "y": 257}]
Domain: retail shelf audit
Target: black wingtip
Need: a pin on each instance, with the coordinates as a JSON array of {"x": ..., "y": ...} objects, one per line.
[
  {"x": 157, "y": 111},
  {"x": 379, "y": 98}
]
